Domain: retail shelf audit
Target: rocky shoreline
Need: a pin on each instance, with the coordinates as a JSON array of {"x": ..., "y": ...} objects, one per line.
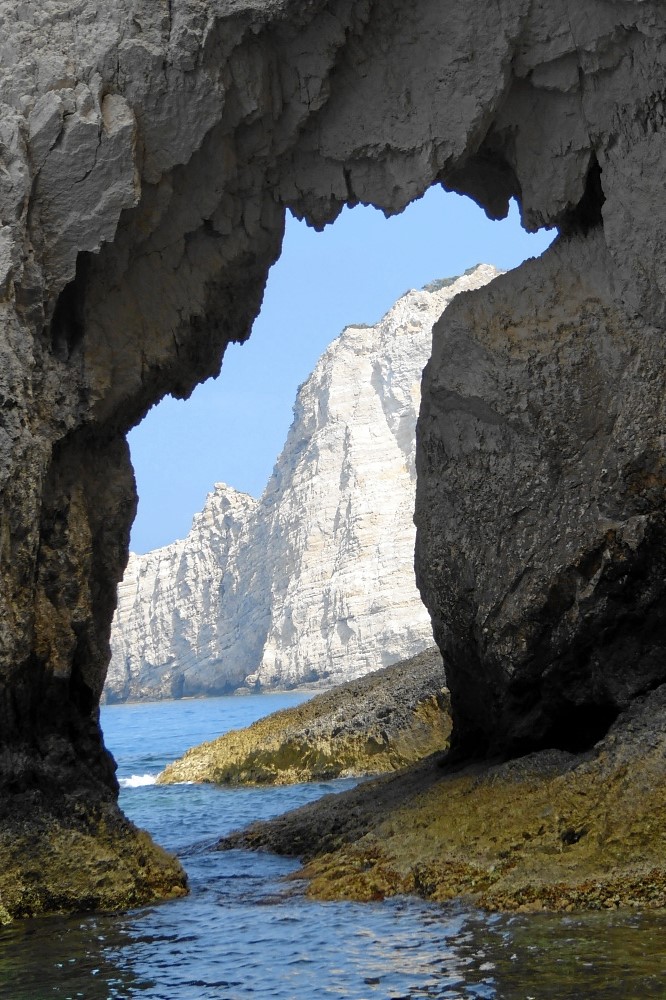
[
  {"x": 150, "y": 153},
  {"x": 118, "y": 866},
  {"x": 381, "y": 722},
  {"x": 551, "y": 830}
]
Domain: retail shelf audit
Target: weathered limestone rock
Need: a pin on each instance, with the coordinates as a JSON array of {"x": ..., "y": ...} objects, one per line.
[
  {"x": 542, "y": 480},
  {"x": 550, "y": 830},
  {"x": 382, "y": 722},
  {"x": 315, "y": 581},
  {"x": 149, "y": 152},
  {"x": 176, "y": 605}
]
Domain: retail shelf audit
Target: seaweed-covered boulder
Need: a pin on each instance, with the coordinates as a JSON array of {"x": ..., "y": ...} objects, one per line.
[{"x": 381, "y": 722}]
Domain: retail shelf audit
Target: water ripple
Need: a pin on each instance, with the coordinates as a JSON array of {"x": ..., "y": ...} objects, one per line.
[{"x": 245, "y": 934}]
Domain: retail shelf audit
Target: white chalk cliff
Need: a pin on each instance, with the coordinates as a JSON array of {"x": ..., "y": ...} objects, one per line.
[{"x": 314, "y": 581}]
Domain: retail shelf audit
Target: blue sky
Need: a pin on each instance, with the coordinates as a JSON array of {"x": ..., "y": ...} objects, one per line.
[{"x": 232, "y": 428}]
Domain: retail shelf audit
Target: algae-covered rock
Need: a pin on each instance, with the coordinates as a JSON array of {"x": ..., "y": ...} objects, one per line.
[
  {"x": 380, "y": 722},
  {"x": 552, "y": 830},
  {"x": 117, "y": 865}
]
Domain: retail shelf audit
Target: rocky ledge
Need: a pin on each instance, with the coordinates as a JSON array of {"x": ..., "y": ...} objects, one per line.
[
  {"x": 381, "y": 722},
  {"x": 551, "y": 830}
]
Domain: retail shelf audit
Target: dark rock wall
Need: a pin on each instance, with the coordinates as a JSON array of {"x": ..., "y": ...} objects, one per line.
[
  {"x": 149, "y": 152},
  {"x": 540, "y": 502}
]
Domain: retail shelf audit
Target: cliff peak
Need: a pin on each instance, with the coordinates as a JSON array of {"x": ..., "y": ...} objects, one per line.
[{"x": 315, "y": 580}]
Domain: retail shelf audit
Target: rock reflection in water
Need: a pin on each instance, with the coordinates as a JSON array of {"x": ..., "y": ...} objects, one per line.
[
  {"x": 591, "y": 956},
  {"x": 65, "y": 957}
]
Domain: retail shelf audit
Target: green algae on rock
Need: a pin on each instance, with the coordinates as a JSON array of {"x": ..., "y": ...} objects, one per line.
[
  {"x": 78, "y": 856},
  {"x": 552, "y": 830},
  {"x": 381, "y": 722}
]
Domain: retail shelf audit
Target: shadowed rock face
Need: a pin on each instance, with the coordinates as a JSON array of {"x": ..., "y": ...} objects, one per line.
[
  {"x": 149, "y": 152},
  {"x": 540, "y": 504}
]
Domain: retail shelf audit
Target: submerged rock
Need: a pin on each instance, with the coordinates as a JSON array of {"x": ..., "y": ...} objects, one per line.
[
  {"x": 551, "y": 830},
  {"x": 381, "y": 722}
]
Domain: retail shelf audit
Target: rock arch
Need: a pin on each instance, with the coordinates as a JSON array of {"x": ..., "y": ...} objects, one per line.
[{"x": 149, "y": 152}]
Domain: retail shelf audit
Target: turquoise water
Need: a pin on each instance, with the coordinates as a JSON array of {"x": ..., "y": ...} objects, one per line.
[{"x": 244, "y": 932}]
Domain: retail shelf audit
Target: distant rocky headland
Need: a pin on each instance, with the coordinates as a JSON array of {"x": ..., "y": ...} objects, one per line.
[
  {"x": 314, "y": 582},
  {"x": 382, "y": 722},
  {"x": 148, "y": 156}
]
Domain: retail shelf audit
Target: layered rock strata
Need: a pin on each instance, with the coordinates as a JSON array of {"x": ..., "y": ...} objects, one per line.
[
  {"x": 381, "y": 722},
  {"x": 551, "y": 830},
  {"x": 149, "y": 153},
  {"x": 315, "y": 581},
  {"x": 179, "y": 609}
]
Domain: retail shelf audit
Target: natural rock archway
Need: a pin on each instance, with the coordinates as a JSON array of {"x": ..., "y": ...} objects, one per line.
[{"x": 149, "y": 152}]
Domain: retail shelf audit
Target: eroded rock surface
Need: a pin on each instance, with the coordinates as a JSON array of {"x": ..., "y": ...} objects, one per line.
[
  {"x": 542, "y": 479},
  {"x": 178, "y": 608},
  {"x": 551, "y": 830},
  {"x": 315, "y": 581},
  {"x": 148, "y": 154},
  {"x": 381, "y": 722}
]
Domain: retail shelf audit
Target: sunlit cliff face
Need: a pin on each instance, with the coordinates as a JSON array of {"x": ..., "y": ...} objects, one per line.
[{"x": 148, "y": 158}]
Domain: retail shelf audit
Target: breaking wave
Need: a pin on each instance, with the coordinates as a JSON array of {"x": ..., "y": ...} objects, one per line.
[{"x": 137, "y": 780}]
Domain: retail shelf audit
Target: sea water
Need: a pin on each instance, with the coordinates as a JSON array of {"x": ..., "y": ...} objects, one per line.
[{"x": 245, "y": 932}]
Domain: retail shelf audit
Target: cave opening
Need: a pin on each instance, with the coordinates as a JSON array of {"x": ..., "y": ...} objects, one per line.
[
  {"x": 232, "y": 429},
  {"x": 350, "y": 273},
  {"x": 66, "y": 329},
  {"x": 587, "y": 213},
  {"x": 576, "y": 728}
]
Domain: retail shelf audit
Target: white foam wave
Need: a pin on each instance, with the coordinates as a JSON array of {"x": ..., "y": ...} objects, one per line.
[{"x": 137, "y": 780}]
